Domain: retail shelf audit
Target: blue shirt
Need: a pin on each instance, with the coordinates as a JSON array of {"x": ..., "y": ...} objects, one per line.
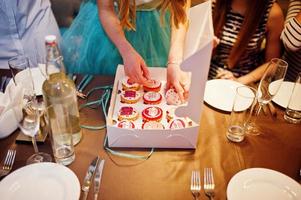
[{"x": 23, "y": 26}]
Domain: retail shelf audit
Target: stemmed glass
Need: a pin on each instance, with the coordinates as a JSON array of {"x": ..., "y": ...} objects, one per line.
[
  {"x": 268, "y": 87},
  {"x": 26, "y": 108},
  {"x": 271, "y": 81}
]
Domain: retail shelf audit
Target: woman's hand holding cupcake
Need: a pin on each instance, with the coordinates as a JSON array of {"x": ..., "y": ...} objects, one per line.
[{"x": 178, "y": 80}]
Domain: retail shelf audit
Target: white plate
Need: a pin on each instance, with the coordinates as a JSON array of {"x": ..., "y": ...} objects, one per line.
[
  {"x": 47, "y": 181},
  {"x": 38, "y": 75},
  {"x": 283, "y": 94},
  {"x": 220, "y": 94},
  {"x": 262, "y": 184}
]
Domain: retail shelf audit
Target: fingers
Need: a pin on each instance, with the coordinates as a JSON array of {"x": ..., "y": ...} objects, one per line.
[
  {"x": 224, "y": 74},
  {"x": 220, "y": 72},
  {"x": 179, "y": 89},
  {"x": 186, "y": 80},
  {"x": 186, "y": 88},
  {"x": 168, "y": 85},
  {"x": 141, "y": 80},
  {"x": 143, "y": 75},
  {"x": 216, "y": 41},
  {"x": 145, "y": 71},
  {"x": 228, "y": 77},
  {"x": 138, "y": 76}
]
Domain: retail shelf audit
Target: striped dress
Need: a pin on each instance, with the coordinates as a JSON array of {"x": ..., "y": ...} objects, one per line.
[
  {"x": 291, "y": 37},
  {"x": 252, "y": 58}
]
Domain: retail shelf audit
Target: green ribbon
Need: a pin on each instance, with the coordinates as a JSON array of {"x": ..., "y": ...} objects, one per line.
[{"x": 103, "y": 101}]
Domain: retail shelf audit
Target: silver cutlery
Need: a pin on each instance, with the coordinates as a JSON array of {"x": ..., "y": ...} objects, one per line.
[
  {"x": 195, "y": 185},
  {"x": 89, "y": 174},
  {"x": 8, "y": 162},
  {"x": 97, "y": 178},
  {"x": 209, "y": 183}
]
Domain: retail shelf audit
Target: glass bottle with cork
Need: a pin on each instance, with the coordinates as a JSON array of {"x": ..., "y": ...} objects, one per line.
[{"x": 59, "y": 92}]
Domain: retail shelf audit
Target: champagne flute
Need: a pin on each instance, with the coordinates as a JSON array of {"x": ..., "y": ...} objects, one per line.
[
  {"x": 268, "y": 87},
  {"x": 29, "y": 125},
  {"x": 26, "y": 108},
  {"x": 271, "y": 81}
]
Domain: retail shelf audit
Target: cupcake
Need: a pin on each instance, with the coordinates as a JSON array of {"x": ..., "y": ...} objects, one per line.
[
  {"x": 172, "y": 97},
  {"x": 152, "y": 98},
  {"x": 152, "y": 125},
  {"x": 126, "y": 124},
  {"x": 128, "y": 85},
  {"x": 130, "y": 96},
  {"x": 177, "y": 123},
  {"x": 127, "y": 113},
  {"x": 153, "y": 85},
  {"x": 152, "y": 113}
]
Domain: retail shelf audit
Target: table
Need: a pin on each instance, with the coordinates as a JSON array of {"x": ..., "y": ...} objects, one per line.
[{"x": 166, "y": 174}]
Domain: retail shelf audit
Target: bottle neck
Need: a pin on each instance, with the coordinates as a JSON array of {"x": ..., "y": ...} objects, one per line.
[
  {"x": 54, "y": 60},
  {"x": 52, "y": 51}
]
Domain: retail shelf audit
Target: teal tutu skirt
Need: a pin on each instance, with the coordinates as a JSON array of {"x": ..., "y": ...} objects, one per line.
[{"x": 88, "y": 50}]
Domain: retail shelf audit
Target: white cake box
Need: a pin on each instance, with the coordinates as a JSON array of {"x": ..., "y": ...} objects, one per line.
[{"x": 198, "y": 48}]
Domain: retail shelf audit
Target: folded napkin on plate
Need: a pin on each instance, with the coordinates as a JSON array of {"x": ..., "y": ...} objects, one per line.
[
  {"x": 2, "y": 102},
  {"x": 10, "y": 111}
]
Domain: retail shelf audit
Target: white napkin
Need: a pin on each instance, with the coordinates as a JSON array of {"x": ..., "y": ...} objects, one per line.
[
  {"x": 3, "y": 102},
  {"x": 10, "y": 109}
]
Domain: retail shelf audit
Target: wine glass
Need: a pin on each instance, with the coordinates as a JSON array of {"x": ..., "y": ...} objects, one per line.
[
  {"x": 27, "y": 109},
  {"x": 268, "y": 87},
  {"x": 17, "y": 64},
  {"x": 271, "y": 81}
]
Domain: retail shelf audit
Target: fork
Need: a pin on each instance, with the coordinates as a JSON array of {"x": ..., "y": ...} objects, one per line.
[
  {"x": 195, "y": 185},
  {"x": 8, "y": 162},
  {"x": 209, "y": 183}
]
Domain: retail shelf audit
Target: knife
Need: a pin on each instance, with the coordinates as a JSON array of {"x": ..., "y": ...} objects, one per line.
[
  {"x": 87, "y": 180},
  {"x": 97, "y": 178}
]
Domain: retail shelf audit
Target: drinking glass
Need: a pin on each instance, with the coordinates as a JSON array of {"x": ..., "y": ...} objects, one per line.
[
  {"x": 271, "y": 81},
  {"x": 17, "y": 64},
  {"x": 26, "y": 108},
  {"x": 293, "y": 110},
  {"x": 243, "y": 105},
  {"x": 268, "y": 87}
]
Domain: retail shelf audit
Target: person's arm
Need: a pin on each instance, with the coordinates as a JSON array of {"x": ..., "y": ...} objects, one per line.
[
  {"x": 298, "y": 17},
  {"x": 134, "y": 64},
  {"x": 175, "y": 77},
  {"x": 273, "y": 44},
  {"x": 291, "y": 33}
]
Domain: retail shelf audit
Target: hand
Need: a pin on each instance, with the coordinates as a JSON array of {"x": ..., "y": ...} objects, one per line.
[
  {"x": 225, "y": 74},
  {"x": 215, "y": 41},
  {"x": 135, "y": 67},
  {"x": 179, "y": 80}
]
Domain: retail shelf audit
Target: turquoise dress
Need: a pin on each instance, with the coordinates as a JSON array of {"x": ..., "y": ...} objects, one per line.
[{"x": 88, "y": 50}]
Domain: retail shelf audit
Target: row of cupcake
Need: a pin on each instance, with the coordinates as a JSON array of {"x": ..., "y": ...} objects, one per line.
[
  {"x": 152, "y": 114},
  {"x": 130, "y": 93}
]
